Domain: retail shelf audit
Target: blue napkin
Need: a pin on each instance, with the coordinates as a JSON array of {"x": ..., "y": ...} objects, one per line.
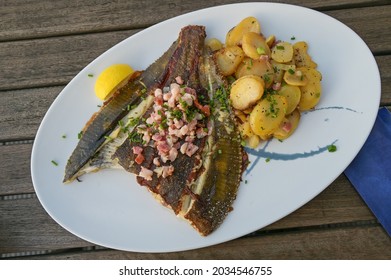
[{"x": 370, "y": 171}]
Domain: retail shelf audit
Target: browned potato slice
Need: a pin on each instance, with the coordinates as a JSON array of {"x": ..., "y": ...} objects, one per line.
[
  {"x": 248, "y": 110},
  {"x": 279, "y": 70},
  {"x": 235, "y": 35},
  {"x": 295, "y": 78},
  {"x": 228, "y": 59},
  {"x": 240, "y": 115},
  {"x": 253, "y": 141},
  {"x": 301, "y": 56},
  {"x": 214, "y": 44},
  {"x": 267, "y": 115},
  {"x": 282, "y": 52},
  {"x": 246, "y": 91},
  {"x": 288, "y": 125},
  {"x": 245, "y": 129},
  {"x": 270, "y": 40},
  {"x": 312, "y": 91},
  {"x": 260, "y": 68},
  {"x": 292, "y": 95},
  {"x": 310, "y": 73},
  {"x": 254, "y": 45}
]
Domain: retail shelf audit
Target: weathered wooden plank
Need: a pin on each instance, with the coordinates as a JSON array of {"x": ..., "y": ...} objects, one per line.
[
  {"x": 31, "y": 19},
  {"x": 54, "y": 61},
  {"x": 21, "y": 111},
  {"x": 384, "y": 64},
  {"x": 351, "y": 243},
  {"x": 371, "y": 24},
  {"x": 24, "y": 224},
  {"x": 15, "y": 169},
  {"x": 339, "y": 203}
]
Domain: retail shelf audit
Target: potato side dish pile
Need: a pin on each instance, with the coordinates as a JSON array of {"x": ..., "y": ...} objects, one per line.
[{"x": 272, "y": 81}]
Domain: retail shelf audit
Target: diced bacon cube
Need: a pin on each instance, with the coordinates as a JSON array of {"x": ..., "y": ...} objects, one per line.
[
  {"x": 137, "y": 150},
  {"x": 158, "y": 171},
  {"x": 166, "y": 96},
  {"x": 179, "y": 80},
  {"x": 178, "y": 123},
  {"x": 146, "y": 137},
  {"x": 184, "y": 147},
  {"x": 163, "y": 147},
  {"x": 172, "y": 154},
  {"x": 190, "y": 138},
  {"x": 156, "y": 161},
  {"x": 188, "y": 98},
  {"x": 201, "y": 132},
  {"x": 146, "y": 173},
  {"x": 287, "y": 126},
  {"x": 171, "y": 102},
  {"x": 157, "y": 137},
  {"x": 158, "y": 92},
  {"x": 139, "y": 159},
  {"x": 184, "y": 129},
  {"x": 167, "y": 171},
  {"x": 192, "y": 125},
  {"x": 191, "y": 149},
  {"x": 175, "y": 88},
  {"x": 150, "y": 120},
  {"x": 159, "y": 100}
]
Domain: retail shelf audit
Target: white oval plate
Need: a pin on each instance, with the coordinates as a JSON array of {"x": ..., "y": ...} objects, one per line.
[{"x": 110, "y": 209}]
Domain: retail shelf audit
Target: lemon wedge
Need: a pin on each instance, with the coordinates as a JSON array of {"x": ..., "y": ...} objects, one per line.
[{"x": 110, "y": 79}]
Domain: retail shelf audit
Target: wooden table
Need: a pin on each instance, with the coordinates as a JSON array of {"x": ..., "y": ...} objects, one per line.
[{"x": 43, "y": 44}]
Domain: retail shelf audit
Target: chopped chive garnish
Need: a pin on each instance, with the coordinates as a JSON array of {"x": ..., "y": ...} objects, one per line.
[
  {"x": 64, "y": 136},
  {"x": 332, "y": 148},
  {"x": 80, "y": 134},
  {"x": 143, "y": 84},
  {"x": 280, "y": 48},
  {"x": 90, "y": 75},
  {"x": 291, "y": 71},
  {"x": 54, "y": 163},
  {"x": 293, "y": 38},
  {"x": 267, "y": 160},
  {"x": 260, "y": 50}
]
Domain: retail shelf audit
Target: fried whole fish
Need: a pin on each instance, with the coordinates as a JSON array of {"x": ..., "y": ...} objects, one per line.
[
  {"x": 99, "y": 128},
  {"x": 180, "y": 139}
]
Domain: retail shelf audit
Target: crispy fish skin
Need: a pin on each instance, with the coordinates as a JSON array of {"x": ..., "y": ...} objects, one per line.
[
  {"x": 184, "y": 63},
  {"x": 106, "y": 120},
  {"x": 216, "y": 189},
  {"x": 224, "y": 160},
  {"x": 203, "y": 187}
]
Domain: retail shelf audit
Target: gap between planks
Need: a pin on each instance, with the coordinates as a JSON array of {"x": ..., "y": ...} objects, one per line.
[
  {"x": 259, "y": 233},
  {"x": 328, "y": 8}
]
